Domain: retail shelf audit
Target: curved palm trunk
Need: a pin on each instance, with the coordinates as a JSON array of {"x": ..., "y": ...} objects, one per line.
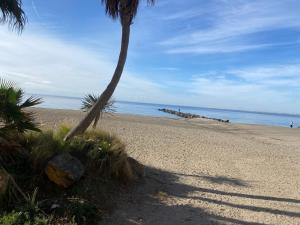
[{"x": 108, "y": 92}]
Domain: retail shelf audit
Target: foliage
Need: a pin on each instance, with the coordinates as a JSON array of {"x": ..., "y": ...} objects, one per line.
[
  {"x": 114, "y": 7},
  {"x": 12, "y": 13},
  {"x": 13, "y": 117},
  {"x": 61, "y": 132},
  {"x": 41, "y": 147},
  {"x": 106, "y": 164},
  {"x": 109, "y": 158},
  {"x": 90, "y": 100},
  {"x": 82, "y": 211},
  {"x": 29, "y": 213},
  {"x": 23, "y": 218},
  {"x": 103, "y": 153},
  {"x": 99, "y": 150}
]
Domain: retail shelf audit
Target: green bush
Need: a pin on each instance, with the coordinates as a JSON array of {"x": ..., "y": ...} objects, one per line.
[
  {"x": 41, "y": 147},
  {"x": 104, "y": 157},
  {"x": 83, "y": 212},
  {"x": 23, "y": 218},
  {"x": 13, "y": 118},
  {"x": 99, "y": 150},
  {"x": 61, "y": 132}
]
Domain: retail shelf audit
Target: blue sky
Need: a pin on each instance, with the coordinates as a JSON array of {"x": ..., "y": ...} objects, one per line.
[{"x": 234, "y": 54}]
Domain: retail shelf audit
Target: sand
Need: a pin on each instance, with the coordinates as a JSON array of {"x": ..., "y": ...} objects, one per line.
[{"x": 203, "y": 172}]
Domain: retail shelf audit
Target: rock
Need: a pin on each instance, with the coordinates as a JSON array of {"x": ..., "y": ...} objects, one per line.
[
  {"x": 137, "y": 168},
  {"x": 64, "y": 170},
  {"x": 4, "y": 180}
]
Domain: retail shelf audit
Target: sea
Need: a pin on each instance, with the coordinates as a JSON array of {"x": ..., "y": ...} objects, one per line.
[{"x": 149, "y": 109}]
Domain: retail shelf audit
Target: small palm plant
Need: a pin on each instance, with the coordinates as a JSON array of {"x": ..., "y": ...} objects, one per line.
[
  {"x": 13, "y": 116},
  {"x": 90, "y": 100}
]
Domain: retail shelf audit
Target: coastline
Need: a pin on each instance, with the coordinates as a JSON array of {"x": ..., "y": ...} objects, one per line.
[
  {"x": 77, "y": 112},
  {"x": 151, "y": 109},
  {"x": 231, "y": 173}
]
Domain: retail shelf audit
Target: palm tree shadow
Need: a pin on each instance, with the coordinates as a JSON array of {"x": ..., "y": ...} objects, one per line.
[
  {"x": 219, "y": 180},
  {"x": 151, "y": 202}
]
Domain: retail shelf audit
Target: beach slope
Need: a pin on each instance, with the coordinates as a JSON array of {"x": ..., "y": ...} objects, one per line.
[{"x": 203, "y": 172}]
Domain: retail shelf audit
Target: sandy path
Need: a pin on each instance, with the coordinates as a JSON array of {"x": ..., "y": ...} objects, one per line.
[{"x": 202, "y": 172}]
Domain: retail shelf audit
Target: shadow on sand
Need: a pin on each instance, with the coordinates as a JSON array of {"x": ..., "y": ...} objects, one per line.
[
  {"x": 150, "y": 203},
  {"x": 218, "y": 179}
]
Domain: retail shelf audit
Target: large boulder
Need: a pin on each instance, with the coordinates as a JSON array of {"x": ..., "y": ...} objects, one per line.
[{"x": 64, "y": 170}]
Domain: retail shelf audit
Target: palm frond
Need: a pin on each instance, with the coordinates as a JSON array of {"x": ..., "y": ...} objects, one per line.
[
  {"x": 31, "y": 101},
  {"x": 13, "y": 13},
  {"x": 27, "y": 122},
  {"x": 90, "y": 100},
  {"x": 19, "y": 95},
  {"x": 12, "y": 116},
  {"x": 114, "y": 7}
]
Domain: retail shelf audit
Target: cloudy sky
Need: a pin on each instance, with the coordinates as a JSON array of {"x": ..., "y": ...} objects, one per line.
[{"x": 236, "y": 54}]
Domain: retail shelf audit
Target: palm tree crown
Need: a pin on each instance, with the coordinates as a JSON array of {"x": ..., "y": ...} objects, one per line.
[
  {"x": 114, "y": 8},
  {"x": 13, "y": 116},
  {"x": 12, "y": 13},
  {"x": 90, "y": 100}
]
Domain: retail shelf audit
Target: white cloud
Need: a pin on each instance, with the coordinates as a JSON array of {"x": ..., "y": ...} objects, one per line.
[
  {"x": 231, "y": 22},
  {"x": 256, "y": 74},
  {"x": 213, "y": 48},
  {"x": 264, "y": 88},
  {"x": 47, "y": 65}
]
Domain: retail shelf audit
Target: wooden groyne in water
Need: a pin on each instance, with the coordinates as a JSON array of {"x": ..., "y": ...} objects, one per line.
[{"x": 190, "y": 115}]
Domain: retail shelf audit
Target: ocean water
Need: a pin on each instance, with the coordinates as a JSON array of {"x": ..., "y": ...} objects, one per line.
[{"x": 145, "y": 109}]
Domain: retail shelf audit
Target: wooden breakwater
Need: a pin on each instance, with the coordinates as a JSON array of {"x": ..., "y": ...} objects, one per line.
[{"x": 190, "y": 115}]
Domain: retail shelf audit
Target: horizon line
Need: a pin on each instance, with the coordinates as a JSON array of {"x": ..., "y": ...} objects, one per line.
[{"x": 175, "y": 105}]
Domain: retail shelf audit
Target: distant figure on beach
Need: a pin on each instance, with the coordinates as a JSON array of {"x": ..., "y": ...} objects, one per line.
[
  {"x": 291, "y": 124},
  {"x": 178, "y": 109}
]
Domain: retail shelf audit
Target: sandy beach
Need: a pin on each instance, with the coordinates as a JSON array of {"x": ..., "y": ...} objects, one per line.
[{"x": 203, "y": 172}]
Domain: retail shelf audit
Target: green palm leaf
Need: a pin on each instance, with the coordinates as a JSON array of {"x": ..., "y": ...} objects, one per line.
[
  {"x": 13, "y": 118},
  {"x": 12, "y": 13},
  {"x": 89, "y": 101},
  {"x": 31, "y": 101}
]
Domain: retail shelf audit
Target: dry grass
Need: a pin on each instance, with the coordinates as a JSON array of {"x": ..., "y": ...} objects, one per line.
[{"x": 104, "y": 156}]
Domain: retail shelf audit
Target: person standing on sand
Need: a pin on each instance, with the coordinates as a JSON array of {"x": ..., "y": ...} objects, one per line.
[{"x": 291, "y": 124}]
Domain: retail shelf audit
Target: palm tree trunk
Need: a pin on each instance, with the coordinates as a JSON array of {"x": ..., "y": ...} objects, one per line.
[{"x": 108, "y": 92}]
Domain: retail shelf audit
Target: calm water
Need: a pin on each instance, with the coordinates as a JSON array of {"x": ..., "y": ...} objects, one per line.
[{"x": 151, "y": 110}]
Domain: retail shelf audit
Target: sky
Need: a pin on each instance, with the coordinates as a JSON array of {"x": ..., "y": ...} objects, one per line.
[{"x": 230, "y": 54}]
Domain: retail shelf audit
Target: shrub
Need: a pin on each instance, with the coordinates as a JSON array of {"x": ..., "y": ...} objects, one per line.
[
  {"x": 41, "y": 147},
  {"x": 99, "y": 150},
  {"x": 104, "y": 157},
  {"x": 61, "y": 132},
  {"x": 82, "y": 211},
  {"x": 13, "y": 118},
  {"x": 23, "y": 218},
  {"x": 108, "y": 156}
]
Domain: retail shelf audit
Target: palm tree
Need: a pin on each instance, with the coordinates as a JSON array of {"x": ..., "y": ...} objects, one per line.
[
  {"x": 12, "y": 13},
  {"x": 13, "y": 115},
  {"x": 125, "y": 10},
  {"x": 90, "y": 100}
]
